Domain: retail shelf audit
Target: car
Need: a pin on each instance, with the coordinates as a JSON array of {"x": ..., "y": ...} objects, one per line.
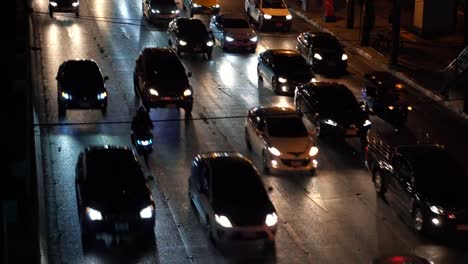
[
  {"x": 112, "y": 194},
  {"x": 333, "y": 109},
  {"x": 64, "y": 6},
  {"x": 208, "y": 7},
  {"x": 189, "y": 35},
  {"x": 161, "y": 80},
  {"x": 401, "y": 259},
  {"x": 323, "y": 51},
  {"x": 269, "y": 13},
  {"x": 423, "y": 182},
  {"x": 233, "y": 32},
  {"x": 230, "y": 200},
  {"x": 162, "y": 11},
  {"x": 281, "y": 138},
  {"x": 381, "y": 94},
  {"x": 284, "y": 69},
  {"x": 80, "y": 85}
]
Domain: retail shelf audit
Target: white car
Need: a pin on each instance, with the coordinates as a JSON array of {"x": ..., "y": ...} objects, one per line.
[{"x": 281, "y": 138}]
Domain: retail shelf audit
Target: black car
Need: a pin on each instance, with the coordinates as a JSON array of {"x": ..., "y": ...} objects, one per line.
[
  {"x": 322, "y": 51},
  {"x": 229, "y": 197},
  {"x": 112, "y": 193},
  {"x": 233, "y": 32},
  {"x": 160, "y": 79},
  {"x": 159, "y": 11},
  {"x": 190, "y": 35},
  {"x": 424, "y": 183},
  {"x": 80, "y": 85},
  {"x": 284, "y": 69},
  {"x": 333, "y": 109},
  {"x": 381, "y": 93},
  {"x": 64, "y": 6}
]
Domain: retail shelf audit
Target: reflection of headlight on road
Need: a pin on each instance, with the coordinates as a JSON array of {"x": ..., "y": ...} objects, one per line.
[
  {"x": 274, "y": 151},
  {"x": 209, "y": 43},
  {"x": 54, "y": 4},
  {"x": 187, "y": 92},
  {"x": 330, "y": 122},
  {"x": 344, "y": 57},
  {"x": 254, "y": 39},
  {"x": 367, "y": 123},
  {"x": 271, "y": 219},
  {"x": 317, "y": 56},
  {"x": 147, "y": 212},
  {"x": 266, "y": 16},
  {"x": 282, "y": 80},
  {"x": 229, "y": 39},
  {"x": 223, "y": 221},
  {"x": 288, "y": 17},
  {"x": 144, "y": 142},
  {"x": 93, "y": 214},
  {"x": 314, "y": 80},
  {"x": 313, "y": 151},
  {"x": 182, "y": 43},
  {"x": 153, "y": 92}
]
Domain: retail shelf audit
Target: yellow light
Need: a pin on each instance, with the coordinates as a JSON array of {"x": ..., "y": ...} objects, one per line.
[{"x": 399, "y": 86}]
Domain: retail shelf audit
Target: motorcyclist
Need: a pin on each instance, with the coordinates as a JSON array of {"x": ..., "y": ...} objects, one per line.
[{"x": 141, "y": 121}]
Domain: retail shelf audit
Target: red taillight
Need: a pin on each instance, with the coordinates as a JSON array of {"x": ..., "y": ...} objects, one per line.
[
  {"x": 366, "y": 148},
  {"x": 451, "y": 216}
]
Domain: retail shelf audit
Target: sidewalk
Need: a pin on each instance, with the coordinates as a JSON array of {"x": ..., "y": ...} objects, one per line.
[{"x": 421, "y": 61}]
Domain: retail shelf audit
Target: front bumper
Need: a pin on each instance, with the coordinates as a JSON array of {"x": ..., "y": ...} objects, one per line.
[
  {"x": 169, "y": 102},
  {"x": 346, "y": 132},
  {"x": 84, "y": 104},
  {"x": 288, "y": 88},
  {"x": 121, "y": 225},
  {"x": 163, "y": 17},
  {"x": 448, "y": 222},
  {"x": 246, "y": 44},
  {"x": 292, "y": 164},
  {"x": 278, "y": 22},
  {"x": 201, "y": 48},
  {"x": 330, "y": 64},
  {"x": 208, "y": 10},
  {"x": 245, "y": 234}
]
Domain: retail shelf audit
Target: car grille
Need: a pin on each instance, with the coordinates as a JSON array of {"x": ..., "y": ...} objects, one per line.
[
  {"x": 249, "y": 235},
  {"x": 295, "y": 162},
  {"x": 119, "y": 218},
  {"x": 283, "y": 18}
]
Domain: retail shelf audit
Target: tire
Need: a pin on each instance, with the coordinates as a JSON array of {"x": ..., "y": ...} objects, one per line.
[
  {"x": 169, "y": 42},
  {"x": 318, "y": 129},
  {"x": 247, "y": 141},
  {"x": 266, "y": 169},
  {"x": 179, "y": 52},
  {"x": 261, "y": 24},
  {"x": 418, "y": 220},
  {"x": 104, "y": 110},
  {"x": 188, "y": 109},
  {"x": 379, "y": 184}
]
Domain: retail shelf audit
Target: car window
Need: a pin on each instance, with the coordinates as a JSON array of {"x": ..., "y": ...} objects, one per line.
[
  {"x": 326, "y": 42},
  {"x": 402, "y": 167}
]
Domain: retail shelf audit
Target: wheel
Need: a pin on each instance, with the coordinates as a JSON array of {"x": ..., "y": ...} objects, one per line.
[
  {"x": 148, "y": 17},
  {"x": 104, "y": 109},
  {"x": 379, "y": 184},
  {"x": 247, "y": 140},
  {"x": 260, "y": 24},
  {"x": 266, "y": 169},
  {"x": 318, "y": 128},
  {"x": 169, "y": 42},
  {"x": 191, "y": 13},
  {"x": 179, "y": 52},
  {"x": 418, "y": 220}
]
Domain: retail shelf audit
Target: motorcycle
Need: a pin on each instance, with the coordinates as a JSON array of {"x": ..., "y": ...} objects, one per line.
[{"x": 143, "y": 141}]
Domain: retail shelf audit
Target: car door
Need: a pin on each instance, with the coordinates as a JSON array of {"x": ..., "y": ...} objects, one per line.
[
  {"x": 205, "y": 194},
  {"x": 268, "y": 70},
  {"x": 308, "y": 104},
  {"x": 262, "y": 61},
  {"x": 79, "y": 180},
  {"x": 401, "y": 184},
  {"x": 140, "y": 70},
  {"x": 303, "y": 46},
  {"x": 258, "y": 140}
]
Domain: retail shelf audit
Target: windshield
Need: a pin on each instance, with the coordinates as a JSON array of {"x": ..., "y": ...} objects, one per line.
[
  {"x": 273, "y": 4},
  {"x": 236, "y": 184},
  {"x": 326, "y": 43},
  {"x": 165, "y": 67},
  {"x": 291, "y": 63},
  {"x": 235, "y": 23},
  {"x": 286, "y": 127},
  {"x": 193, "y": 28}
]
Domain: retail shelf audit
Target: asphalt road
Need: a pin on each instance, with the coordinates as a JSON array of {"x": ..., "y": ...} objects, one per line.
[{"x": 331, "y": 217}]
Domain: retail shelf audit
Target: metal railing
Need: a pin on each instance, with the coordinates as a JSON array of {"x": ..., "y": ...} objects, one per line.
[{"x": 459, "y": 64}]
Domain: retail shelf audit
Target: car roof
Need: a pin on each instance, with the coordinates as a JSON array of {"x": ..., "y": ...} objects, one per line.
[
  {"x": 273, "y": 110},
  {"x": 189, "y": 20},
  {"x": 80, "y": 63}
]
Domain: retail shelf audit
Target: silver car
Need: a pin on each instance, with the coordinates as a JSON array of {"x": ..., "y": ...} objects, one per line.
[{"x": 233, "y": 32}]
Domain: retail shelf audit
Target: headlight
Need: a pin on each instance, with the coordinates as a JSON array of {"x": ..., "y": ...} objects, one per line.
[
  {"x": 175, "y": 11},
  {"x": 153, "y": 92},
  {"x": 229, "y": 39},
  {"x": 196, "y": 5},
  {"x": 254, "y": 39},
  {"x": 313, "y": 151},
  {"x": 288, "y": 17},
  {"x": 53, "y": 3},
  {"x": 101, "y": 96},
  {"x": 274, "y": 151},
  {"x": 75, "y": 4},
  {"x": 93, "y": 214},
  {"x": 367, "y": 123},
  {"x": 155, "y": 11},
  {"x": 399, "y": 85},
  {"x": 282, "y": 80},
  {"x": 182, "y": 43},
  {"x": 147, "y": 212},
  {"x": 437, "y": 209},
  {"x": 266, "y": 16},
  {"x": 344, "y": 57},
  {"x": 317, "y": 56},
  {"x": 390, "y": 107},
  {"x": 330, "y": 122},
  {"x": 187, "y": 92},
  {"x": 223, "y": 221},
  {"x": 216, "y": 6},
  {"x": 271, "y": 219},
  {"x": 66, "y": 96},
  {"x": 209, "y": 43},
  {"x": 409, "y": 107},
  {"x": 144, "y": 142},
  {"x": 314, "y": 80}
]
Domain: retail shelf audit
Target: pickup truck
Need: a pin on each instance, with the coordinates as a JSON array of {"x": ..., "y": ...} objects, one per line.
[
  {"x": 421, "y": 181},
  {"x": 269, "y": 13}
]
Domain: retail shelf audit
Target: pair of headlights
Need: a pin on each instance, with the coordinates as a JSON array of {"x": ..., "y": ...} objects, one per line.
[
  {"x": 275, "y": 152},
  {"x": 331, "y": 122},
  {"x": 74, "y": 4},
  {"x": 319, "y": 57},
  {"x": 209, "y": 43},
  {"x": 198, "y": 5},
  {"x": 144, "y": 142},
  {"x": 100, "y": 96},
  {"x": 284, "y": 80},
  {"x": 95, "y": 215},
  {"x": 270, "y": 220},
  {"x": 156, "y": 11},
  {"x": 231, "y": 39},
  {"x": 154, "y": 92},
  {"x": 267, "y": 16}
]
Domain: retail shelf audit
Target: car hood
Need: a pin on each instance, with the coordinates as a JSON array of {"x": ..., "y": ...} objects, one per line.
[
  {"x": 169, "y": 87},
  {"x": 303, "y": 76},
  {"x": 194, "y": 38},
  {"x": 240, "y": 33},
  {"x": 275, "y": 11},
  {"x": 291, "y": 145},
  {"x": 118, "y": 201},
  {"x": 329, "y": 51},
  {"x": 247, "y": 214}
]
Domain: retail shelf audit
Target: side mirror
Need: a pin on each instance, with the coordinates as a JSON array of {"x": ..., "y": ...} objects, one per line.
[
  {"x": 106, "y": 78},
  {"x": 189, "y": 74}
]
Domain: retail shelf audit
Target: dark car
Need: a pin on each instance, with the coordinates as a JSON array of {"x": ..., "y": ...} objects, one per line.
[
  {"x": 381, "y": 92},
  {"x": 190, "y": 35},
  {"x": 284, "y": 69},
  {"x": 233, "y": 32},
  {"x": 160, "y": 79},
  {"x": 229, "y": 197},
  {"x": 161, "y": 11},
  {"x": 322, "y": 51},
  {"x": 80, "y": 85},
  {"x": 64, "y": 6},
  {"x": 112, "y": 194},
  {"x": 333, "y": 109}
]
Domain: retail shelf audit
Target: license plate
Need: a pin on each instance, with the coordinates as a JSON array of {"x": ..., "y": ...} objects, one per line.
[
  {"x": 197, "y": 49},
  {"x": 171, "y": 105},
  {"x": 351, "y": 132},
  {"x": 279, "y": 24},
  {"x": 249, "y": 235},
  {"x": 332, "y": 63},
  {"x": 121, "y": 227},
  {"x": 295, "y": 163},
  {"x": 462, "y": 227},
  {"x": 84, "y": 104}
]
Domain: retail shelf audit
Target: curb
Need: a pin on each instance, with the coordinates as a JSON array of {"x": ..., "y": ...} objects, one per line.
[{"x": 369, "y": 57}]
